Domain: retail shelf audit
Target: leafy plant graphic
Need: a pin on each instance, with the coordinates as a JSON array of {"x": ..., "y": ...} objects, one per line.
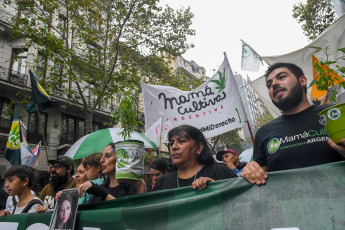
[
  {"x": 221, "y": 82},
  {"x": 14, "y": 136}
]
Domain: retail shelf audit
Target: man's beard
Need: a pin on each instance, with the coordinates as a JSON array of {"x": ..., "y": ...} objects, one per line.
[
  {"x": 294, "y": 98},
  {"x": 57, "y": 180}
]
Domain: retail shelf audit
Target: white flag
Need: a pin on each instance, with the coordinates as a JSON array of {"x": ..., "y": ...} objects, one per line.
[
  {"x": 333, "y": 36},
  {"x": 339, "y": 7},
  {"x": 250, "y": 59},
  {"x": 215, "y": 107},
  {"x": 158, "y": 132}
]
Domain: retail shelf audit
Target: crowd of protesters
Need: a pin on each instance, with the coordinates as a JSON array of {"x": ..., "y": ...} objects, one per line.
[
  {"x": 94, "y": 177},
  {"x": 190, "y": 154}
]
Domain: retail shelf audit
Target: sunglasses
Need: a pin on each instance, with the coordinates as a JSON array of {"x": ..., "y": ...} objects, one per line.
[{"x": 56, "y": 167}]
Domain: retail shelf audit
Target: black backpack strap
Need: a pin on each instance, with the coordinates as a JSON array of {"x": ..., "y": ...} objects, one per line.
[
  {"x": 31, "y": 203},
  {"x": 14, "y": 202}
]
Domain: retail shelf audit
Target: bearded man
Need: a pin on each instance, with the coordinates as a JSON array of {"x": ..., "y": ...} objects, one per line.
[
  {"x": 61, "y": 172},
  {"x": 296, "y": 139}
]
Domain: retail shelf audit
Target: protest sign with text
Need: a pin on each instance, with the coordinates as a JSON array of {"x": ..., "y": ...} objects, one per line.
[{"x": 215, "y": 107}]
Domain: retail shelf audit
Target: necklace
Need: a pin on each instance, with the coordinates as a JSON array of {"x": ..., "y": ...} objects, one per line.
[{"x": 178, "y": 184}]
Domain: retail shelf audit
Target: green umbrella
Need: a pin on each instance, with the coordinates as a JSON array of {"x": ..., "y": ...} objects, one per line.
[{"x": 96, "y": 141}]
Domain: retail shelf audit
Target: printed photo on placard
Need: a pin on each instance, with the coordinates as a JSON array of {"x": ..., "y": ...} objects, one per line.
[{"x": 65, "y": 211}]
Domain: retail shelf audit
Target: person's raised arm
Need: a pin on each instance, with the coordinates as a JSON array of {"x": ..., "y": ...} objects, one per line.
[
  {"x": 254, "y": 173},
  {"x": 94, "y": 189}
]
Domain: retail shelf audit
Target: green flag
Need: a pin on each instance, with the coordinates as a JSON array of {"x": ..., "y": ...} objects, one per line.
[
  {"x": 12, "y": 151},
  {"x": 39, "y": 97}
]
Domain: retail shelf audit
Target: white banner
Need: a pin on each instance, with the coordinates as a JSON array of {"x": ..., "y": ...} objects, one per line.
[
  {"x": 158, "y": 132},
  {"x": 215, "y": 107},
  {"x": 333, "y": 36},
  {"x": 250, "y": 59},
  {"x": 339, "y": 7}
]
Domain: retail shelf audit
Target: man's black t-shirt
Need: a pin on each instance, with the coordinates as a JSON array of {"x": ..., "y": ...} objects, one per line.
[
  {"x": 216, "y": 171},
  {"x": 294, "y": 141}
]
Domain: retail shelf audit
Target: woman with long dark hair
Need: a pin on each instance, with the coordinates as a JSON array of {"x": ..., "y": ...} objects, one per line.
[
  {"x": 64, "y": 218},
  {"x": 193, "y": 161}
]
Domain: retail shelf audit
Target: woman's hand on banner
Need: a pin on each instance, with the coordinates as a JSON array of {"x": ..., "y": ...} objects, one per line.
[{"x": 201, "y": 183}]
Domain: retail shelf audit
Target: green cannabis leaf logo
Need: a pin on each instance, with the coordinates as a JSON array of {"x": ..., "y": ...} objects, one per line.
[{"x": 221, "y": 82}]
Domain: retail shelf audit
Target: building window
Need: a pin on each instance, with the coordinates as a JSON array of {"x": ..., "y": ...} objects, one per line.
[
  {"x": 17, "y": 67},
  {"x": 90, "y": 95},
  {"x": 61, "y": 27},
  {"x": 57, "y": 72},
  {"x": 18, "y": 61},
  {"x": 34, "y": 128},
  {"x": 41, "y": 66},
  {"x": 72, "y": 129},
  {"x": 5, "y": 119},
  {"x": 24, "y": 10},
  {"x": 98, "y": 126}
]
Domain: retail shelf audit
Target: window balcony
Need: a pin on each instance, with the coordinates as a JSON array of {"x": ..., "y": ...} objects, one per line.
[
  {"x": 12, "y": 76},
  {"x": 5, "y": 17}
]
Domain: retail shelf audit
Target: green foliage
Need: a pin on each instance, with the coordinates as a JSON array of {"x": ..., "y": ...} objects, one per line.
[
  {"x": 221, "y": 82},
  {"x": 315, "y": 16},
  {"x": 126, "y": 114},
  {"x": 23, "y": 98},
  {"x": 326, "y": 78},
  {"x": 147, "y": 158},
  {"x": 95, "y": 48},
  {"x": 264, "y": 119},
  {"x": 231, "y": 140}
]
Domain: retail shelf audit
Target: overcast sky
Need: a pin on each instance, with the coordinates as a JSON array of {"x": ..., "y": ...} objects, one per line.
[{"x": 266, "y": 25}]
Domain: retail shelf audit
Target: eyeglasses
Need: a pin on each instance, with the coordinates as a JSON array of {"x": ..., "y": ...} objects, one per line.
[{"x": 56, "y": 167}]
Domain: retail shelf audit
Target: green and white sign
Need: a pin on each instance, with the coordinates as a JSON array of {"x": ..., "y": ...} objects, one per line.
[{"x": 284, "y": 202}]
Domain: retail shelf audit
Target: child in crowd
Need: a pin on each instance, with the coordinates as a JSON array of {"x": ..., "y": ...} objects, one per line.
[
  {"x": 19, "y": 180},
  {"x": 93, "y": 166}
]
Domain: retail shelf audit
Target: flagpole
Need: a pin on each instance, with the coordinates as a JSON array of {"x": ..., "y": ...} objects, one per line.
[
  {"x": 40, "y": 123},
  {"x": 215, "y": 143},
  {"x": 159, "y": 148},
  {"x": 160, "y": 136},
  {"x": 250, "y": 131}
]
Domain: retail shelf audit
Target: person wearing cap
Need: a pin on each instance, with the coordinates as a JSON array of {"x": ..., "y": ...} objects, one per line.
[
  {"x": 230, "y": 159},
  {"x": 62, "y": 170}
]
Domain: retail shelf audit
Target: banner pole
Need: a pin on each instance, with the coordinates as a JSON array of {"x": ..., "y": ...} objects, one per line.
[
  {"x": 215, "y": 143},
  {"x": 250, "y": 131},
  {"x": 159, "y": 147},
  {"x": 40, "y": 124}
]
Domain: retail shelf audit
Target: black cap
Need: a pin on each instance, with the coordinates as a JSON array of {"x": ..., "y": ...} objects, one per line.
[{"x": 63, "y": 160}]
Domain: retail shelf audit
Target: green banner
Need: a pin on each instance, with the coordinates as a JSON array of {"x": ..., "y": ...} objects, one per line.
[{"x": 308, "y": 198}]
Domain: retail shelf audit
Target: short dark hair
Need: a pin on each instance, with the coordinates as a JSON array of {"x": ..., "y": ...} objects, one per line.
[
  {"x": 92, "y": 160},
  {"x": 160, "y": 164},
  {"x": 195, "y": 134},
  {"x": 296, "y": 70},
  {"x": 22, "y": 171}
]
